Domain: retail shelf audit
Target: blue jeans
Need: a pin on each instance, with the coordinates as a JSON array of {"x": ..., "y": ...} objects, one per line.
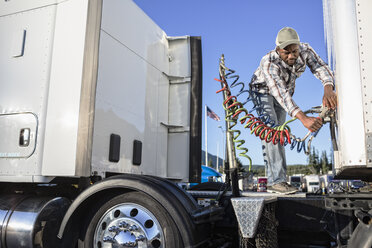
[{"x": 273, "y": 155}]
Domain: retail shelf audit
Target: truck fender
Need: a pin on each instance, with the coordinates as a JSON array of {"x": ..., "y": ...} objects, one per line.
[{"x": 176, "y": 201}]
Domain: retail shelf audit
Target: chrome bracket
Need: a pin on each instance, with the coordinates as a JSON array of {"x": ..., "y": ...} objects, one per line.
[{"x": 176, "y": 128}]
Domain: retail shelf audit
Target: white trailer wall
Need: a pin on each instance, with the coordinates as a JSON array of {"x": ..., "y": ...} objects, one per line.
[{"x": 349, "y": 40}]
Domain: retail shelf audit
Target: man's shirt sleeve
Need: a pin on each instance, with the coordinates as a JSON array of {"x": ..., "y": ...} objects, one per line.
[
  {"x": 318, "y": 67},
  {"x": 278, "y": 88}
]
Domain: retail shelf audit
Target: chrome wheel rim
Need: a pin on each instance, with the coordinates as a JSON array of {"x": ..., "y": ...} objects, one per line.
[{"x": 128, "y": 225}]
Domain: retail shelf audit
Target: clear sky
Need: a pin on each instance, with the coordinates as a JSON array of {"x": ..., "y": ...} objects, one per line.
[{"x": 244, "y": 31}]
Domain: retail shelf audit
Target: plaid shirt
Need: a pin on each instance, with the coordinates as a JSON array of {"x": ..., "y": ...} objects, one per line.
[{"x": 278, "y": 79}]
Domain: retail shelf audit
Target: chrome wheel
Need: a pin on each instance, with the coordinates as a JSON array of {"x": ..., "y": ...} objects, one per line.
[{"x": 128, "y": 225}]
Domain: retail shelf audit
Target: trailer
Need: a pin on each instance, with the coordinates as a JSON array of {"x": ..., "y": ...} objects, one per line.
[{"x": 100, "y": 118}]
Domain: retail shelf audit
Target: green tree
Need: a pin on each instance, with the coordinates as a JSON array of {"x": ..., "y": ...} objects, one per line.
[
  {"x": 258, "y": 171},
  {"x": 324, "y": 162},
  {"x": 331, "y": 159},
  {"x": 238, "y": 162},
  {"x": 210, "y": 163},
  {"x": 313, "y": 161},
  {"x": 299, "y": 169}
]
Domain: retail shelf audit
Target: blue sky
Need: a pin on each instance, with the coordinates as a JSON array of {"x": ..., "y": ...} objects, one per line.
[{"x": 244, "y": 31}]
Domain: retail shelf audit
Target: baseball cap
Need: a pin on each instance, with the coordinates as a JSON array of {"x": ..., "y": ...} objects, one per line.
[{"x": 287, "y": 36}]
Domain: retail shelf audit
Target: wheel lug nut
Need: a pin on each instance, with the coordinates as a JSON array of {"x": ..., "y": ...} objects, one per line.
[
  {"x": 113, "y": 229},
  {"x": 130, "y": 244},
  {"x": 123, "y": 224},
  {"x": 140, "y": 238},
  {"x": 133, "y": 228},
  {"x": 108, "y": 239}
]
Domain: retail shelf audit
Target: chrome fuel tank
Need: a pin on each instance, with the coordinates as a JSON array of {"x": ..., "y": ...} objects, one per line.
[{"x": 30, "y": 221}]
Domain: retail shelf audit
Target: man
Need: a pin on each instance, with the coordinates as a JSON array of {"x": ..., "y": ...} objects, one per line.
[{"x": 274, "y": 83}]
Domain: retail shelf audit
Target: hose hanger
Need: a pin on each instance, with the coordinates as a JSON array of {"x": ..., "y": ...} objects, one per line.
[{"x": 261, "y": 126}]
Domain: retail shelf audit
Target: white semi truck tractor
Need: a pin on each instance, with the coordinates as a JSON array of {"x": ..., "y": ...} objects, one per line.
[
  {"x": 100, "y": 117},
  {"x": 99, "y": 111}
]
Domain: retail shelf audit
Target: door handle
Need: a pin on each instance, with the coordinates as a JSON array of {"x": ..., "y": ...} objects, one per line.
[{"x": 24, "y": 137}]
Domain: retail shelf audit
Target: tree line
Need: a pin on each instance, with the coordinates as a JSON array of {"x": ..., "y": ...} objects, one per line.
[{"x": 316, "y": 164}]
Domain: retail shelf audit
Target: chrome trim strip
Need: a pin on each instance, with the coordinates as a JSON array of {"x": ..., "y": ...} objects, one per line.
[{"x": 88, "y": 89}]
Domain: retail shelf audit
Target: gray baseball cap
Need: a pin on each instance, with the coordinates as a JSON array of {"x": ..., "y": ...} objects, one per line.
[{"x": 287, "y": 36}]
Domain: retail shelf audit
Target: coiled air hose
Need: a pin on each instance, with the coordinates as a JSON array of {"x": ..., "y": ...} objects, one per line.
[{"x": 261, "y": 126}]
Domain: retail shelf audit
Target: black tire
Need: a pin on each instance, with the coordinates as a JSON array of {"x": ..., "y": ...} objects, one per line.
[{"x": 142, "y": 202}]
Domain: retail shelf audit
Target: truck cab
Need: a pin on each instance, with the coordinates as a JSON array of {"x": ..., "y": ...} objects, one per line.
[
  {"x": 99, "y": 108},
  {"x": 261, "y": 184},
  {"x": 295, "y": 181},
  {"x": 312, "y": 183}
]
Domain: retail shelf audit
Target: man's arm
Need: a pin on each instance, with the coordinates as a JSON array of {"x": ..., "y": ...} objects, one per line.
[
  {"x": 321, "y": 71},
  {"x": 311, "y": 123},
  {"x": 329, "y": 97},
  {"x": 280, "y": 93},
  {"x": 329, "y": 100}
]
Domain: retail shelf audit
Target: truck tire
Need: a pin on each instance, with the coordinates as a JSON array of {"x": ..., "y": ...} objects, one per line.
[{"x": 132, "y": 219}]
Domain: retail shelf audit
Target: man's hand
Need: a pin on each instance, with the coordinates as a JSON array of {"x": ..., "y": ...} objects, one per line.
[
  {"x": 329, "y": 97},
  {"x": 311, "y": 123}
]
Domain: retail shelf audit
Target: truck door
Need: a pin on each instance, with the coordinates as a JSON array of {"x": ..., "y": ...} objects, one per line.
[{"x": 26, "y": 31}]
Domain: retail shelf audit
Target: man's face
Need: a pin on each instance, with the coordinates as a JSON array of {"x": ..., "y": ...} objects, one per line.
[{"x": 289, "y": 54}]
